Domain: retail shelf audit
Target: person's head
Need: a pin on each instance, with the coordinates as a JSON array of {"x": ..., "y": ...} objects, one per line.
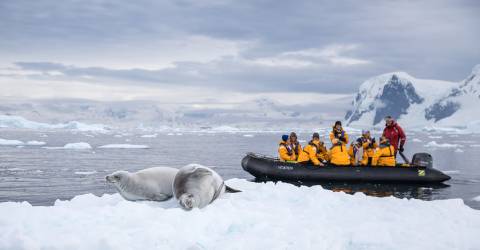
[
  {"x": 316, "y": 136},
  {"x": 284, "y": 138},
  {"x": 293, "y": 137},
  {"x": 389, "y": 120},
  {"x": 366, "y": 133},
  {"x": 338, "y": 125}
]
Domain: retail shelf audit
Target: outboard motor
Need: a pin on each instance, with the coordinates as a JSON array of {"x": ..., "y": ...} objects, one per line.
[{"x": 422, "y": 160}]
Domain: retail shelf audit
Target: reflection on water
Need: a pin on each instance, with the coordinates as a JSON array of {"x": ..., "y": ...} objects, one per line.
[{"x": 418, "y": 191}]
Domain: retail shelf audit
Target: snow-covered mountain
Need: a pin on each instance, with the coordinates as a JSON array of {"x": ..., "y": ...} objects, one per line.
[{"x": 417, "y": 102}]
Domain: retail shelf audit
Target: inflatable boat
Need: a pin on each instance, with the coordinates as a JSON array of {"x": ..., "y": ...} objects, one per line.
[{"x": 268, "y": 168}]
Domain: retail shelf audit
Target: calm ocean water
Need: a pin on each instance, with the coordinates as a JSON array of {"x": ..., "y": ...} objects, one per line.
[{"x": 41, "y": 176}]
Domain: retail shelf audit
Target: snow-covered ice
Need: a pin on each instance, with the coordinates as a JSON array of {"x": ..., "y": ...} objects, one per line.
[
  {"x": 73, "y": 145},
  {"x": 149, "y": 136},
  {"x": 127, "y": 146},
  {"x": 10, "y": 121},
  {"x": 263, "y": 216},
  {"x": 7, "y": 142},
  {"x": 476, "y": 198},
  {"x": 85, "y": 172},
  {"x": 35, "y": 143},
  {"x": 434, "y": 144}
]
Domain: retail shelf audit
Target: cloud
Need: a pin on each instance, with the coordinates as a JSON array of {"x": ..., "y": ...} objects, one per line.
[{"x": 245, "y": 46}]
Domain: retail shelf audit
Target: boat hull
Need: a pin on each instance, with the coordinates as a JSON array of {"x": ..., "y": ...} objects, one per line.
[{"x": 266, "y": 168}]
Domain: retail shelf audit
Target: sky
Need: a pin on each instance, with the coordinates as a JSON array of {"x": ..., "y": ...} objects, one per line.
[{"x": 217, "y": 51}]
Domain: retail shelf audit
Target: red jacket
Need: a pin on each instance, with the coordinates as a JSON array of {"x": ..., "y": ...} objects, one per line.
[{"x": 395, "y": 134}]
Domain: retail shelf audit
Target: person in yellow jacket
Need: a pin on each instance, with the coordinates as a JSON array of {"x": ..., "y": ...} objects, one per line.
[
  {"x": 294, "y": 144},
  {"x": 285, "y": 151},
  {"x": 369, "y": 146},
  {"x": 385, "y": 154},
  {"x": 312, "y": 151},
  {"x": 356, "y": 153},
  {"x": 338, "y": 151}
]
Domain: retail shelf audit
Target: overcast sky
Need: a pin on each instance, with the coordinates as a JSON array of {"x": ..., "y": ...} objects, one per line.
[{"x": 222, "y": 50}]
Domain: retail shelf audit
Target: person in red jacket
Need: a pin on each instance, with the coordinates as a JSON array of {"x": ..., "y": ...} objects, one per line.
[{"x": 394, "y": 133}]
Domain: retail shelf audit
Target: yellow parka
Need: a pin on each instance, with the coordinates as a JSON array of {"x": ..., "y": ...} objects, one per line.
[
  {"x": 384, "y": 156},
  {"x": 368, "y": 152},
  {"x": 310, "y": 153},
  {"x": 338, "y": 152},
  {"x": 285, "y": 153},
  {"x": 296, "y": 148},
  {"x": 343, "y": 133}
]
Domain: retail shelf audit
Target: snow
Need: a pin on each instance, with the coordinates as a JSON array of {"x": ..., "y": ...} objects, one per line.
[
  {"x": 75, "y": 145},
  {"x": 434, "y": 144},
  {"x": 126, "y": 146},
  {"x": 10, "y": 121},
  {"x": 7, "y": 142},
  {"x": 434, "y": 92},
  {"x": 263, "y": 216}
]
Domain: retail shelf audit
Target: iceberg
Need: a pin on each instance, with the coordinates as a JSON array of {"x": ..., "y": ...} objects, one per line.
[
  {"x": 125, "y": 146},
  {"x": 262, "y": 216},
  {"x": 74, "y": 145},
  {"x": 18, "y": 122}
]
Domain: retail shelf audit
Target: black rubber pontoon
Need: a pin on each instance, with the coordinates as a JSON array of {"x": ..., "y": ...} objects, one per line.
[{"x": 268, "y": 168}]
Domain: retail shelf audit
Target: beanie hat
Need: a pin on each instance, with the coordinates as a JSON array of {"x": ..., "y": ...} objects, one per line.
[
  {"x": 284, "y": 137},
  {"x": 316, "y": 135},
  {"x": 338, "y": 123}
]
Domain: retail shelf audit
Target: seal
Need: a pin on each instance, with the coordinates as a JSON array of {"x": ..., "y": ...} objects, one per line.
[
  {"x": 154, "y": 184},
  {"x": 198, "y": 186}
]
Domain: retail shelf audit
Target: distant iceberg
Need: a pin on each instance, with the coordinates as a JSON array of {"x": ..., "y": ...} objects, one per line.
[
  {"x": 10, "y": 121},
  {"x": 126, "y": 146},
  {"x": 75, "y": 145}
]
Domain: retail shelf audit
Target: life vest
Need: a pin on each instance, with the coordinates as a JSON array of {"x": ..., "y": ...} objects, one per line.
[
  {"x": 289, "y": 149},
  {"x": 296, "y": 147}
]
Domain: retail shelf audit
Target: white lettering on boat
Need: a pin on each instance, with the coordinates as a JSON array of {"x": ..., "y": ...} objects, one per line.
[{"x": 285, "y": 167}]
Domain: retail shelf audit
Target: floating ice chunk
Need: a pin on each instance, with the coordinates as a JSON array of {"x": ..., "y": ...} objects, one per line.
[
  {"x": 248, "y": 135},
  {"x": 35, "y": 143},
  {"x": 149, "y": 136},
  {"x": 75, "y": 145},
  {"x": 434, "y": 144},
  {"x": 126, "y": 146},
  {"x": 416, "y": 140},
  {"x": 6, "y": 142},
  {"x": 458, "y": 150},
  {"x": 85, "y": 172},
  {"x": 476, "y": 198}
]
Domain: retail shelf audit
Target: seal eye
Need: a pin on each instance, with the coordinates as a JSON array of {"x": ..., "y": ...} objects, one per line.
[{"x": 116, "y": 177}]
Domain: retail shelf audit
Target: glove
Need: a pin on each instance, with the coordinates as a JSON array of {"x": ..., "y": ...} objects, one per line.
[
  {"x": 401, "y": 149},
  {"x": 342, "y": 138}
]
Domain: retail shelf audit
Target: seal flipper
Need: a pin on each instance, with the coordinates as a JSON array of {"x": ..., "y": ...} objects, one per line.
[{"x": 231, "y": 190}]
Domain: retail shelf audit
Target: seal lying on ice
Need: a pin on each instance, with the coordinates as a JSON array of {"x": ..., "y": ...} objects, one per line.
[
  {"x": 198, "y": 186},
  {"x": 154, "y": 184}
]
